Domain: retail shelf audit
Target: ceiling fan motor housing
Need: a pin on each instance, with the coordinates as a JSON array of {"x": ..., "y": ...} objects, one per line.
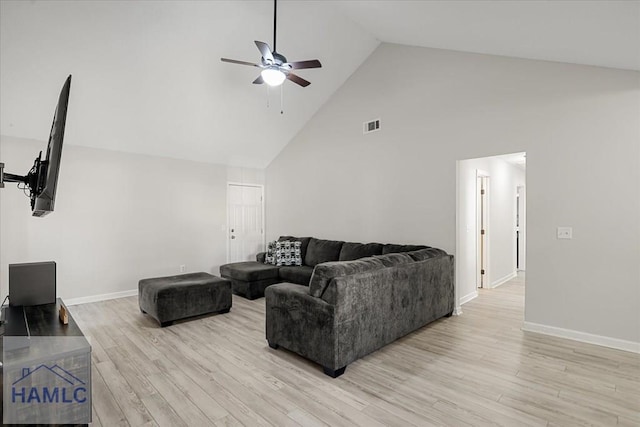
[{"x": 278, "y": 59}]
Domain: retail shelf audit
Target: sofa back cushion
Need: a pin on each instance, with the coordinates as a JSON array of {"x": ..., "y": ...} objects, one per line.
[
  {"x": 391, "y": 260},
  {"x": 324, "y": 273},
  {"x": 427, "y": 253},
  {"x": 320, "y": 251},
  {"x": 303, "y": 246},
  {"x": 351, "y": 251},
  {"x": 394, "y": 249}
]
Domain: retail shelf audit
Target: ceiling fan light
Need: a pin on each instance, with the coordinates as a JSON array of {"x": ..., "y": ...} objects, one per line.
[{"x": 273, "y": 76}]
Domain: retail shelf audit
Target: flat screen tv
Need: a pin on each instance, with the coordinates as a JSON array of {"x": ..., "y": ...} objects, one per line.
[{"x": 42, "y": 180}]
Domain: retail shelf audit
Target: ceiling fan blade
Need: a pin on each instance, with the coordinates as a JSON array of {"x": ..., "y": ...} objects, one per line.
[
  {"x": 265, "y": 51},
  {"x": 298, "y": 80},
  {"x": 235, "y": 61},
  {"x": 298, "y": 65},
  {"x": 258, "y": 81}
]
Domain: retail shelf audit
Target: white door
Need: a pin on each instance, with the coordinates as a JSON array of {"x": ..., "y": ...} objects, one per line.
[{"x": 245, "y": 230}]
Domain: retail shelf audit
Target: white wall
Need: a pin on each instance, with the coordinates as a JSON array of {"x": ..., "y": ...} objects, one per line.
[
  {"x": 504, "y": 180},
  {"x": 580, "y": 128},
  {"x": 118, "y": 218}
]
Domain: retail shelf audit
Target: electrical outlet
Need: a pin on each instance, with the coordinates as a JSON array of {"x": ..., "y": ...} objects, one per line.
[
  {"x": 564, "y": 233},
  {"x": 183, "y": 268}
]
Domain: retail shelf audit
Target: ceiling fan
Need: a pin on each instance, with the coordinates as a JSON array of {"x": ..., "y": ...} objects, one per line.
[{"x": 275, "y": 68}]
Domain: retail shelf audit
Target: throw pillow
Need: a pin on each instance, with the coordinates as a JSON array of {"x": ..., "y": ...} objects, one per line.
[
  {"x": 288, "y": 253},
  {"x": 270, "y": 256}
]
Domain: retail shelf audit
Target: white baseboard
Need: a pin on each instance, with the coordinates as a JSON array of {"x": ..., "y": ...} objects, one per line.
[
  {"x": 103, "y": 297},
  {"x": 465, "y": 299},
  {"x": 619, "y": 344},
  {"x": 504, "y": 279}
]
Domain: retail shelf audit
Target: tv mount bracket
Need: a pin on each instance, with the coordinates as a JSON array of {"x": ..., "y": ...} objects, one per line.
[
  {"x": 9, "y": 177},
  {"x": 34, "y": 180}
]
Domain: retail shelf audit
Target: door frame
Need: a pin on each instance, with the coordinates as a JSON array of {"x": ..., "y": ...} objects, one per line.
[
  {"x": 521, "y": 195},
  {"x": 486, "y": 251},
  {"x": 228, "y": 227}
]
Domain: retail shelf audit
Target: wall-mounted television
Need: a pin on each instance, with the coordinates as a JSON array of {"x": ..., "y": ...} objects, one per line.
[{"x": 42, "y": 179}]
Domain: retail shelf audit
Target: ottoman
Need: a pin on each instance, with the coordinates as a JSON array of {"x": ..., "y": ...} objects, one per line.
[
  {"x": 250, "y": 279},
  {"x": 177, "y": 297}
]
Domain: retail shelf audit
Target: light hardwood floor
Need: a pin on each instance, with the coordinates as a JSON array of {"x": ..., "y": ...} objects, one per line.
[{"x": 476, "y": 369}]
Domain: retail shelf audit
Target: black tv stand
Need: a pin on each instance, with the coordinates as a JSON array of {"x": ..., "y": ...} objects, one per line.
[
  {"x": 42, "y": 321},
  {"x": 15, "y": 321}
]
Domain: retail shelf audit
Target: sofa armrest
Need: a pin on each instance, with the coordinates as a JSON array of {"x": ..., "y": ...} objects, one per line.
[
  {"x": 261, "y": 257},
  {"x": 301, "y": 323}
]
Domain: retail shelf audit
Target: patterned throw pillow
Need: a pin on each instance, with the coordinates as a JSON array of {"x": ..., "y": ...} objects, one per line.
[
  {"x": 270, "y": 256},
  {"x": 288, "y": 253}
]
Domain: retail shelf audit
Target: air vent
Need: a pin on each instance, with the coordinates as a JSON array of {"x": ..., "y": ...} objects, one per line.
[{"x": 371, "y": 126}]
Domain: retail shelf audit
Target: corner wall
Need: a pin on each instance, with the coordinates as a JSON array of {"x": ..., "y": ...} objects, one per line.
[
  {"x": 118, "y": 218},
  {"x": 579, "y": 125}
]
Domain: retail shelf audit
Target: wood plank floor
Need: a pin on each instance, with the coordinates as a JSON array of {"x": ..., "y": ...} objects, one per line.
[{"x": 471, "y": 370}]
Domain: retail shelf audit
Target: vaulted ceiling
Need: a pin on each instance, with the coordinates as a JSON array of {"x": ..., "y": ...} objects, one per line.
[{"x": 148, "y": 77}]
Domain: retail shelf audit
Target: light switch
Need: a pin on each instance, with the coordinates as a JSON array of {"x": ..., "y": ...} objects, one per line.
[{"x": 565, "y": 233}]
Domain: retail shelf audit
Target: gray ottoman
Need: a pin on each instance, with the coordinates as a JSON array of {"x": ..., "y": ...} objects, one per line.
[{"x": 177, "y": 297}]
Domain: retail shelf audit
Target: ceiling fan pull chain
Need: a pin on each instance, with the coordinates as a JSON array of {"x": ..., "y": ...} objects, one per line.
[
  {"x": 267, "y": 96},
  {"x": 281, "y": 99}
]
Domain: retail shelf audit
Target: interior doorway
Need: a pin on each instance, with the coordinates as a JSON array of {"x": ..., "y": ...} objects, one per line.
[
  {"x": 245, "y": 221},
  {"x": 490, "y": 224}
]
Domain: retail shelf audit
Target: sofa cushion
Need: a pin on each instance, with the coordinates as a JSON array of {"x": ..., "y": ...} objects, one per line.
[
  {"x": 324, "y": 273},
  {"x": 249, "y": 271},
  {"x": 389, "y": 260},
  {"x": 288, "y": 252},
  {"x": 394, "y": 249},
  {"x": 423, "y": 254},
  {"x": 303, "y": 246},
  {"x": 299, "y": 275},
  {"x": 270, "y": 254},
  {"x": 320, "y": 251},
  {"x": 351, "y": 251}
]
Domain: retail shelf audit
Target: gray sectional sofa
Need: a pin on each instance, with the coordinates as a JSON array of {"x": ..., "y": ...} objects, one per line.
[
  {"x": 250, "y": 279},
  {"x": 349, "y": 299}
]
